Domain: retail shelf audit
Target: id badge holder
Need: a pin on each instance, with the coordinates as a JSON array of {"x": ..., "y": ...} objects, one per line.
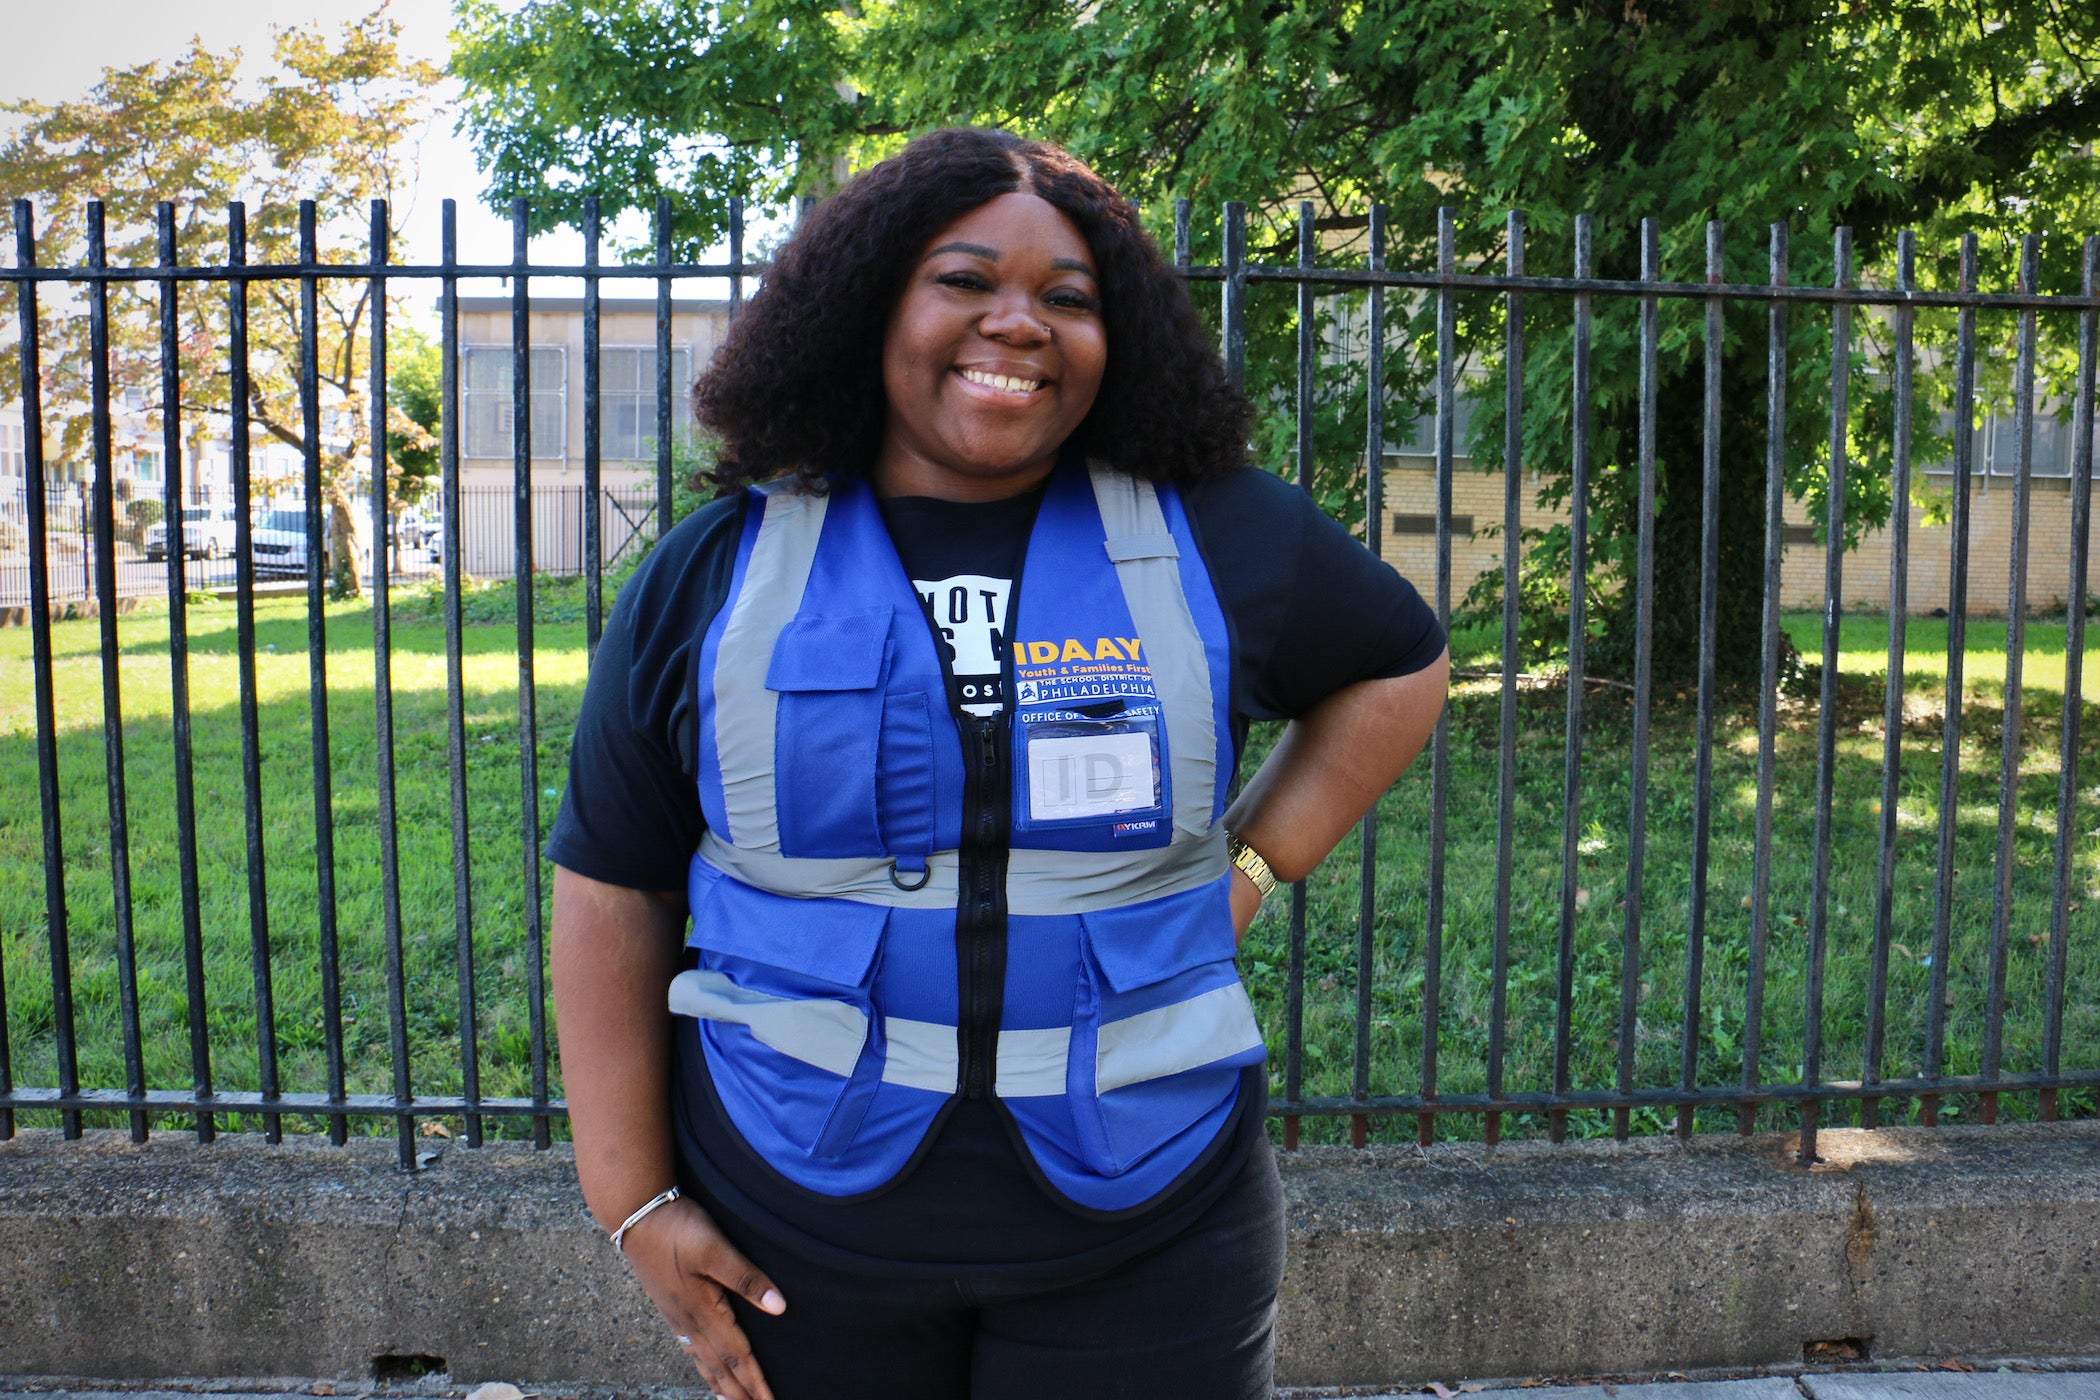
[{"x": 1091, "y": 783}]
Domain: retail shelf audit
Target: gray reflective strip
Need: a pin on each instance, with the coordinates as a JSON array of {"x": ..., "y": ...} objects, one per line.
[
  {"x": 1155, "y": 1044},
  {"x": 774, "y": 581},
  {"x": 922, "y": 1055},
  {"x": 827, "y": 1034},
  {"x": 1173, "y": 645},
  {"x": 1124, "y": 548},
  {"x": 1037, "y": 882},
  {"x": 1031, "y": 1063}
]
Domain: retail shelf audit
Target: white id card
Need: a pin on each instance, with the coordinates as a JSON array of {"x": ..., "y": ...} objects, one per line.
[{"x": 1073, "y": 777}]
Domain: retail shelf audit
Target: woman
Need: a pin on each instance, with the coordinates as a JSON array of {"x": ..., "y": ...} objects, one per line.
[{"x": 929, "y": 730}]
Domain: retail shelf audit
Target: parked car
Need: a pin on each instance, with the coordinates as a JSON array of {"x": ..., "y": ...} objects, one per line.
[
  {"x": 279, "y": 540},
  {"x": 207, "y": 533},
  {"x": 413, "y": 529}
]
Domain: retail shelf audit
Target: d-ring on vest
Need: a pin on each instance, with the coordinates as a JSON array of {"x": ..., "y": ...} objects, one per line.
[{"x": 826, "y": 893}]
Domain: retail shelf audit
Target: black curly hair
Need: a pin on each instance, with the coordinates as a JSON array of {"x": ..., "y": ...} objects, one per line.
[{"x": 796, "y": 387}]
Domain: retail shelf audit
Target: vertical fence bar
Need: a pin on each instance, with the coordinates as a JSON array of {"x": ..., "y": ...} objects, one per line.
[
  {"x": 593, "y": 439},
  {"x": 179, "y": 670},
  {"x": 1440, "y": 739},
  {"x": 1578, "y": 602},
  {"x": 1307, "y": 345},
  {"x": 318, "y": 558},
  {"x": 1512, "y": 660},
  {"x": 1374, "y": 508},
  {"x": 1643, "y": 667},
  {"x": 1768, "y": 686},
  {"x": 528, "y": 718},
  {"x": 57, "y": 926},
  {"x": 2074, "y": 671},
  {"x": 664, "y": 488},
  {"x": 1957, "y": 648},
  {"x": 1703, "y": 755},
  {"x": 1903, "y": 318},
  {"x": 1826, "y": 720},
  {"x": 455, "y": 674},
  {"x": 1234, "y": 290},
  {"x": 1233, "y": 311},
  {"x": 112, "y": 682},
  {"x": 1235, "y": 322},
  {"x": 2015, "y": 659},
  {"x": 238, "y": 445},
  {"x": 383, "y": 709},
  {"x": 1181, "y": 234},
  {"x": 736, "y": 255}
]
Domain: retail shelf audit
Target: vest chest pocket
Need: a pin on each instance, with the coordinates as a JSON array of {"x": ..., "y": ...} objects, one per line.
[
  {"x": 828, "y": 671},
  {"x": 1162, "y": 1028},
  {"x": 783, "y": 992}
]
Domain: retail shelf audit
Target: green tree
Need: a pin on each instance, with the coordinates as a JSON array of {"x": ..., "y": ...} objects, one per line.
[
  {"x": 1915, "y": 114},
  {"x": 335, "y": 126},
  {"x": 415, "y": 384}
]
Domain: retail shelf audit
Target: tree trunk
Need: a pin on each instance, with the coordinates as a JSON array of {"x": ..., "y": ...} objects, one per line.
[
  {"x": 1739, "y": 575},
  {"x": 345, "y": 572}
]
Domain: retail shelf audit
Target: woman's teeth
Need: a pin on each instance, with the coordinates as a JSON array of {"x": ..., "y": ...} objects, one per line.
[{"x": 1001, "y": 382}]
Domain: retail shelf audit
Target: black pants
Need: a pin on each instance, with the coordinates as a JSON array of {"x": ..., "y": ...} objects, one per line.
[{"x": 1193, "y": 1319}]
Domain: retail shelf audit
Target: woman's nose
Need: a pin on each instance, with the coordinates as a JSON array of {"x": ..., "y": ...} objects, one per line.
[{"x": 1013, "y": 320}]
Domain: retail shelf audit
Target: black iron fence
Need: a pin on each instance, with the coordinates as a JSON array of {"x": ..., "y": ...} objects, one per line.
[{"x": 1555, "y": 1010}]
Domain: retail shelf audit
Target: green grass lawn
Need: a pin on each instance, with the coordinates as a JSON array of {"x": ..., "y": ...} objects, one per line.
[
  {"x": 423, "y": 805},
  {"x": 498, "y": 847},
  {"x": 1399, "y": 971}
]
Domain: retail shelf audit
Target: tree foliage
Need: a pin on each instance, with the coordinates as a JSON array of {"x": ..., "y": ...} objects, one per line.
[
  {"x": 1916, "y": 114},
  {"x": 336, "y": 126}
]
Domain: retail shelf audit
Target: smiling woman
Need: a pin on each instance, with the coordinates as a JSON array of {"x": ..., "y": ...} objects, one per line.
[
  {"x": 902, "y": 781},
  {"x": 993, "y": 355},
  {"x": 799, "y": 386}
]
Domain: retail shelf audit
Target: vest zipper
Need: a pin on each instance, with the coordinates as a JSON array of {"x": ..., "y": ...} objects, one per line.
[{"x": 980, "y": 920}]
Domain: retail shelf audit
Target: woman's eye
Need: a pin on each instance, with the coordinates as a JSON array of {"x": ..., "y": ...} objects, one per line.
[
  {"x": 968, "y": 281},
  {"x": 1071, "y": 299}
]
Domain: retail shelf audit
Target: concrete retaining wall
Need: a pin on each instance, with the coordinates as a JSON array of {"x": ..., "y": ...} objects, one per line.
[{"x": 241, "y": 1259}]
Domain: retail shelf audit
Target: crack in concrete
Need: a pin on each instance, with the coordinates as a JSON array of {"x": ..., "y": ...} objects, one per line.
[{"x": 1860, "y": 1236}]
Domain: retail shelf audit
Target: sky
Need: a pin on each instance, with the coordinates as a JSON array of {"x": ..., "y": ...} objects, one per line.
[{"x": 54, "y": 53}]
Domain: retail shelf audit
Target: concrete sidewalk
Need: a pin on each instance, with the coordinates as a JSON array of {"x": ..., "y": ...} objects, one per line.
[{"x": 2028, "y": 1383}]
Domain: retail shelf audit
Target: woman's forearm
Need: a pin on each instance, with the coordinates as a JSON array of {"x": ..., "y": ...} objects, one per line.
[
  {"x": 1333, "y": 763},
  {"x": 614, "y": 955}
]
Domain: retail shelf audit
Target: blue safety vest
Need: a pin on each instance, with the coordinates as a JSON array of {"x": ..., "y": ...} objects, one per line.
[{"x": 862, "y": 956}]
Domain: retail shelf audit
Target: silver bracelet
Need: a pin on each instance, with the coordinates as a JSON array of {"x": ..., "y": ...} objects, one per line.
[{"x": 661, "y": 1198}]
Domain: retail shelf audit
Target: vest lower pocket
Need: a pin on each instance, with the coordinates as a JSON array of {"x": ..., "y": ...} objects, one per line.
[
  {"x": 783, "y": 996},
  {"x": 1162, "y": 1028}
]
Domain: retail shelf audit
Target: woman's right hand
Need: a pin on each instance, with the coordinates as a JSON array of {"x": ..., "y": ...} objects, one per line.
[{"x": 689, "y": 1268}]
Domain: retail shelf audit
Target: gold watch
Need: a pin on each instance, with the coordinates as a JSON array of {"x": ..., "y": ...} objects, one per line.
[{"x": 1249, "y": 862}]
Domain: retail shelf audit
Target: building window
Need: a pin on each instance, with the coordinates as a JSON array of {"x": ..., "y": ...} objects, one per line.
[
  {"x": 13, "y": 453},
  {"x": 1416, "y": 437},
  {"x": 488, "y": 409},
  {"x": 146, "y": 466},
  {"x": 627, "y": 401},
  {"x": 1995, "y": 446}
]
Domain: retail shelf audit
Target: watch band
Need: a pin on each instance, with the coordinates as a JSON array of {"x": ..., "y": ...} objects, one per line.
[{"x": 1249, "y": 863}]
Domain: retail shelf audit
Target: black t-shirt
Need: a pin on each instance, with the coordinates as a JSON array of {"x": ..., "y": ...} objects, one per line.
[{"x": 1309, "y": 610}]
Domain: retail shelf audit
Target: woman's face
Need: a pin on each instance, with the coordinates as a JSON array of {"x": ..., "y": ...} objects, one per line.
[{"x": 992, "y": 356}]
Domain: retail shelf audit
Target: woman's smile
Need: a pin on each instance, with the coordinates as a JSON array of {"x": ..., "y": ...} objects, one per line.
[
  {"x": 993, "y": 354},
  {"x": 1017, "y": 387}
]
